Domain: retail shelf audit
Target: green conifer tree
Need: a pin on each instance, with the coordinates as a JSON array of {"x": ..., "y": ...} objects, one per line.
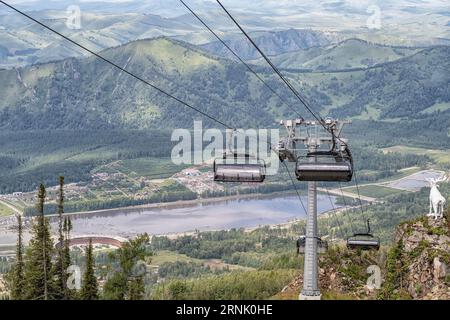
[
  {"x": 89, "y": 290},
  {"x": 136, "y": 288},
  {"x": 38, "y": 265},
  {"x": 18, "y": 284},
  {"x": 67, "y": 228},
  {"x": 66, "y": 258},
  {"x": 60, "y": 267},
  {"x": 126, "y": 284}
]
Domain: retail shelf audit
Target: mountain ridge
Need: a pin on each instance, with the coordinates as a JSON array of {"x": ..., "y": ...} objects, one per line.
[
  {"x": 273, "y": 42},
  {"x": 167, "y": 62},
  {"x": 87, "y": 93},
  {"x": 355, "y": 54}
]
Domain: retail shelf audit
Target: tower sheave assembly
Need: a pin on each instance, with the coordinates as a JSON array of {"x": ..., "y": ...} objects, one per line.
[{"x": 314, "y": 163}]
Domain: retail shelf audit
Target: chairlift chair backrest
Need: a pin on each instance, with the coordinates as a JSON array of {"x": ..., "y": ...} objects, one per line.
[
  {"x": 364, "y": 241},
  {"x": 326, "y": 166},
  {"x": 322, "y": 245},
  {"x": 239, "y": 168}
]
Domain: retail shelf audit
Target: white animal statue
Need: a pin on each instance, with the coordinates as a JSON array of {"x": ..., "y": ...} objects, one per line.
[{"x": 437, "y": 201}]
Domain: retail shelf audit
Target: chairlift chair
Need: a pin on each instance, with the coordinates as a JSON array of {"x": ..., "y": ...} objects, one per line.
[
  {"x": 322, "y": 245},
  {"x": 326, "y": 166},
  {"x": 364, "y": 241},
  {"x": 238, "y": 168}
]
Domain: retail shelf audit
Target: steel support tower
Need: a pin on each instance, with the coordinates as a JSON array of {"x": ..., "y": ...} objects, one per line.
[
  {"x": 310, "y": 273},
  {"x": 287, "y": 150}
]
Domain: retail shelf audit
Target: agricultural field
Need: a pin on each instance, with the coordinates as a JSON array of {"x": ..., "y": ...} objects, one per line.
[
  {"x": 401, "y": 174},
  {"x": 374, "y": 191},
  {"x": 165, "y": 256},
  {"x": 440, "y": 156},
  {"x": 5, "y": 210},
  {"x": 154, "y": 168}
]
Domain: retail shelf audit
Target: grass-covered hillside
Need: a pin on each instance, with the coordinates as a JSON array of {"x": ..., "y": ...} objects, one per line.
[
  {"x": 22, "y": 42},
  {"x": 88, "y": 93},
  {"x": 349, "y": 54}
]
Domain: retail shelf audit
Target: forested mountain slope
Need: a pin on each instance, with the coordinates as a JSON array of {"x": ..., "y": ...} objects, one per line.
[
  {"x": 274, "y": 43},
  {"x": 88, "y": 93},
  {"x": 398, "y": 89}
]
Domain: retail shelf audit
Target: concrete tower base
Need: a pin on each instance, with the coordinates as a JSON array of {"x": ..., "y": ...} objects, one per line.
[{"x": 317, "y": 296}]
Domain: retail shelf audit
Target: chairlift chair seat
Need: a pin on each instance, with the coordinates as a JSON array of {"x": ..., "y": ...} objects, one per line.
[
  {"x": 239, "y": 170},
  {"x": 324, "y": 172},
  {"x": 363, "y": 242},
  {"x": 322, "y": 245},
  {"x": 327, "y": 166},
  {"x": 238, "y": 173}
]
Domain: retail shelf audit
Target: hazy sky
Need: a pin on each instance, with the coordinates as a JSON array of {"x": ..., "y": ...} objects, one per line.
[
  {"x": 278, "y": 7},
  {"x": 265, "y": 3},
  {"x": 332, "y": 14}
]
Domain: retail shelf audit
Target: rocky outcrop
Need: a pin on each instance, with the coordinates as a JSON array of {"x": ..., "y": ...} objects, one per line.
[
  {"x": 425, "y": 258},
  {"x": 416, "y": 266},
  {"x": 342, "y": 275}
]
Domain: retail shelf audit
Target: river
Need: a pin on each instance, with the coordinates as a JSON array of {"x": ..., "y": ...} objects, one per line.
[{"x": 235, "y": 213}]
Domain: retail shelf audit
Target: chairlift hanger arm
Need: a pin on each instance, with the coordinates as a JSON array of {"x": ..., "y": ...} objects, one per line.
[{"x": 288, "y": 145}]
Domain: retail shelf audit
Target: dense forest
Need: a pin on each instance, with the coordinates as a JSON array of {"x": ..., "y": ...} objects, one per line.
[
  {"x": 402, "y": 88},
  {"x": 31, "y": 157}
]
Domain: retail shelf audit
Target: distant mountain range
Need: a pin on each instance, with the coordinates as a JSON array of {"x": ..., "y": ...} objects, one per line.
[
  {"x": 274, "y": 43},
  {"x": 87, "y": 93},
  {"x": 23, "y": 43},
  {"x": 348, "y": 54},
  {"x": 280, "y": 27}
]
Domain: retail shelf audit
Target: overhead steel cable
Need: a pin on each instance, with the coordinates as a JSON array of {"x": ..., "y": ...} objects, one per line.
[
  {"x": 363, "y": 211},
  {"x": 295, "y": 186},
  {"x": 260, "y": 78},
  {"x": 282, "y": 77},
  {"x": 334, "y": 213},
  {"x": 120, "y": 68},
  {"x": 134, "y": 76},
  {"x": 345, "y": 205},
  {"x": 117, "y": 66},
  {"x": 270, "y": 88},
  {"x": 275, "y": 69},
  {"x": 289, "y": 85},
  {"x": 143, "y": 81},
  {"x": 359, "y": 194},
  {"x": 240, "y": 59}
]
